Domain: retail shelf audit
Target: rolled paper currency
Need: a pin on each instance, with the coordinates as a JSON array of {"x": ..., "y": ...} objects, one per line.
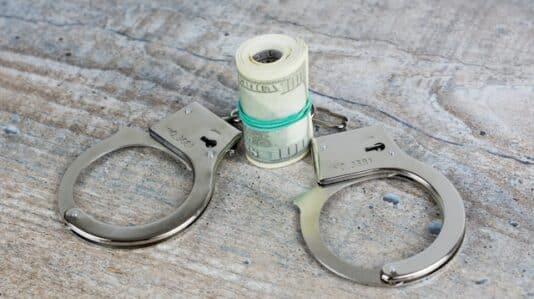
[{"x": 273, "y": 99}]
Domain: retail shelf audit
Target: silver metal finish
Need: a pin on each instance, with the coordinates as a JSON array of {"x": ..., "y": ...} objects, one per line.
[
  {"x": 343, "y": 120},
  {"x": 352, "y": 157},
  {"x": 193, "y": 135}
]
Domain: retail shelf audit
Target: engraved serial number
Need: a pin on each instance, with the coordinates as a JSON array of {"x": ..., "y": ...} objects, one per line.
[
  {"x": 353, "y": 164},
  {"x": 180, "y": 138}
]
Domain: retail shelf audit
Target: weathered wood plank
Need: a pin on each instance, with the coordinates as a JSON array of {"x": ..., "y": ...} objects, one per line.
[{"x": 453, "y": 82}]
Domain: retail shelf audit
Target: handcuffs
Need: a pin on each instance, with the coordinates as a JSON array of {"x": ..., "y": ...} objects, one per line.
[
  {"x": 200, "y": 139},
  {"x": 352, "y": 157}
]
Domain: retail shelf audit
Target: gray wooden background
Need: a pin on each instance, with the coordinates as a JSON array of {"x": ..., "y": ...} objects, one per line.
[{"x": 452, "y": 81}]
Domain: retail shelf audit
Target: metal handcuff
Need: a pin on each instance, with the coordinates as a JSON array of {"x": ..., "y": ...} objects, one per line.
[
  {"x": 200, "y": 139},
  {"x": 352, "y": 157},
  {"x": 194, "y": 136}
]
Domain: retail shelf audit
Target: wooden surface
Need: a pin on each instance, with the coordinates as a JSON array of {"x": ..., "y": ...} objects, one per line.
[{"x": 452, "y": 81}]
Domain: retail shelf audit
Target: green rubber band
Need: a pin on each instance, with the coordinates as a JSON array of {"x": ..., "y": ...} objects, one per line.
[{"x": 274, "y": 124}]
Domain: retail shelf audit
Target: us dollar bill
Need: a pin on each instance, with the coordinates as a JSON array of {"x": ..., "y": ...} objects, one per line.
[{"x": 270, "y": 89}]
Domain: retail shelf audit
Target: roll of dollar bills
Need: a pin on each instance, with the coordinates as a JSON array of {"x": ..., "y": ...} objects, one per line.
[{"x": 274, "y": 104}]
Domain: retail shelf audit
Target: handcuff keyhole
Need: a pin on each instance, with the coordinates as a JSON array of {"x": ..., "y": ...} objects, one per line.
[
  {"x": 208, "y": 142},
  {"x": 379, "y": 146}
]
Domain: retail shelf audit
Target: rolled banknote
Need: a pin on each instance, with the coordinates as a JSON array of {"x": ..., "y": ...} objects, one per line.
[{"x": 273, "y": 99}]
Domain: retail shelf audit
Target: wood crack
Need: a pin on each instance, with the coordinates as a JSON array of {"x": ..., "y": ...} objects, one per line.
[
  {"x": 391, "y": 43},
  {"x": 527, "y": 161},
  {"x": 118, "y": 32}
]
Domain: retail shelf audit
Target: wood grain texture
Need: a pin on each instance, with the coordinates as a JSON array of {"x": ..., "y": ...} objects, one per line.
[{"x": 452, "y": 81}]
